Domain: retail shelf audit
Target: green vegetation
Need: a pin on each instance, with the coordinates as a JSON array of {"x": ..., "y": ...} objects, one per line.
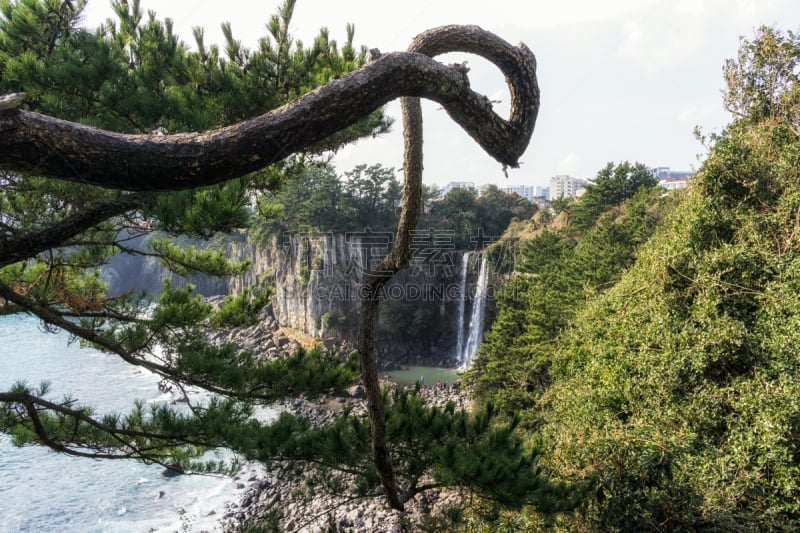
[
  {"x": 675, "y": 391},
  {"x": 642, "y": 371},
  {"x": 134, "y": 75},
  {"x": 469, "y": 215},
  {"x": 316, "y": 200},
  {"x": 556, "y": 272},
  {"x": 461, "y": 449},
  {"x": 241, "y": 309}
]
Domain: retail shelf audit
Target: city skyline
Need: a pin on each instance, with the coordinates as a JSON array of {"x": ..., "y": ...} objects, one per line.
[{"x": 544, "y": 181}]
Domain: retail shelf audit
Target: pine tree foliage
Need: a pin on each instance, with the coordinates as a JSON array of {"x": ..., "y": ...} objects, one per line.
[
  {"x": 674, "y": 390},
  {"x": 317, "y": 200},
  {"x": 458, "y": 448},
  {"x": 612, "y": 186},
  {"x": 134, "y": 75}
]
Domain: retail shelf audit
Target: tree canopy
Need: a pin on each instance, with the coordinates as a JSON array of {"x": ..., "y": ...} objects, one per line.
[
  {"x": 126, "y": 157},
  {"x": 316, "y": 200}
]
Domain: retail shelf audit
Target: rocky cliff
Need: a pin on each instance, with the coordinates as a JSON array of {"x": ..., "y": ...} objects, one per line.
[{"x": 317, "y": 280}]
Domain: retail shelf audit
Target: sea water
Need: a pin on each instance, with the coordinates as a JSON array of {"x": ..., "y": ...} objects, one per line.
[{"x": 44, "y": 491}]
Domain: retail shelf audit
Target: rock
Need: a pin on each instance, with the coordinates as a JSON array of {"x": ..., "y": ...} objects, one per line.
[
  {"x": 172, "y": 471},
  {"x": 356, "y": 391},
  {"x": 338, "y": 394},
  {"x": 284, "y": 495}
]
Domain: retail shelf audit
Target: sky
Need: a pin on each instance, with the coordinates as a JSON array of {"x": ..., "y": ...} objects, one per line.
[{"x": 621, "y": 80}]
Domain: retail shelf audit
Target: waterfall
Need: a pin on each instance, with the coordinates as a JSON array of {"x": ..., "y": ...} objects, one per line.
[
  {"x": 461, "y": 307},
  {"x": 476, "y": 317}
]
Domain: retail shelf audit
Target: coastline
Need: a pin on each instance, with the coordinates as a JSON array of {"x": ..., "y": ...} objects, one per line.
[
  {"x": 271, "y": 500},
  {"x": 293, "y": 504}
]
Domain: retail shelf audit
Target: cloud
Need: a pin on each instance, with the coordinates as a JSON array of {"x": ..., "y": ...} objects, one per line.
[
  {"x": 694, "y": 8},
  {"x": 569, "y": 164},
  {"x": 699, "y": 114},
  {"x": 747, "y": 8},
  {"x": 664, "y": 42}
]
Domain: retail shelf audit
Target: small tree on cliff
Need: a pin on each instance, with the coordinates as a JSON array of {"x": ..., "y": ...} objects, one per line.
[{"x": 69, "y": 191}]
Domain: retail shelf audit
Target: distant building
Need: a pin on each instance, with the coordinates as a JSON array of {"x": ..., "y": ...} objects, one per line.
[
  {"x": 526, "y": 191},
  {"x": 564, "y": 186},
  {"x": 457, "y": 185},
  {"x": 672, "y": 179},
  {"x": 542, "y": 203},
  {"x": 529, "y": 192}
]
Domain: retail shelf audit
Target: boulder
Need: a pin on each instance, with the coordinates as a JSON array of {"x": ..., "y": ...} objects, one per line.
[
  {"x": 172, "y": 471},
  {"x": 356, "y": 391}
]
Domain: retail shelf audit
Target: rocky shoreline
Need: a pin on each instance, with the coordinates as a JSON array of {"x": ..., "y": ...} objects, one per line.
[
  {"x": 271, "y": 500},
  {"x": 277, "y": 504}
]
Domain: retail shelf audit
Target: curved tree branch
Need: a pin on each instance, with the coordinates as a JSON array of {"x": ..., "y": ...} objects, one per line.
[
  {"x": 152, "y": 454},
  {"x": 45, "y": 146},
  {"x": 519, "y": 67},
  {"x": 34, "y": 403},
  {"x": 60, "y": 320},
  {"x": 55, "y": 318}
]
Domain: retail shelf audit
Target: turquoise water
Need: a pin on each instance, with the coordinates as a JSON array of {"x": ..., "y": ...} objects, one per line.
[
  {"x": 412, "y": 374},
  {"x": 42, "y": 491}
]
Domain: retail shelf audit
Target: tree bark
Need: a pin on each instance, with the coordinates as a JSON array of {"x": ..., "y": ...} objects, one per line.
[
  {"x": 45, "y": 146},
  {"x": 521, "y": 79}
]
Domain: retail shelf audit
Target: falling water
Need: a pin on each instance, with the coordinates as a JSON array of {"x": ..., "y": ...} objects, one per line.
[
  {"x": 461, "y": 307},
  {"x": 476, "y": 317}
]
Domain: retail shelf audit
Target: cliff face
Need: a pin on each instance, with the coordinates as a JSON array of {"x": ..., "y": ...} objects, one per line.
[{"x": 317, "y": 280}]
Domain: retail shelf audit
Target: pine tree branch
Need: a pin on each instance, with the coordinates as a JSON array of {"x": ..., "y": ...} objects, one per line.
[
  {"x": 46, "y": 146},
  {"x": 519, "y": 67},
  {"x": 254, "y": 388},
  {"x": 56, "y": 318},
  {"x": 41, "y": 145},
  {"x": 23, "y": 247},
  {"x": 106, "y": 314},
  {"x": 33, "y": 404}
]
